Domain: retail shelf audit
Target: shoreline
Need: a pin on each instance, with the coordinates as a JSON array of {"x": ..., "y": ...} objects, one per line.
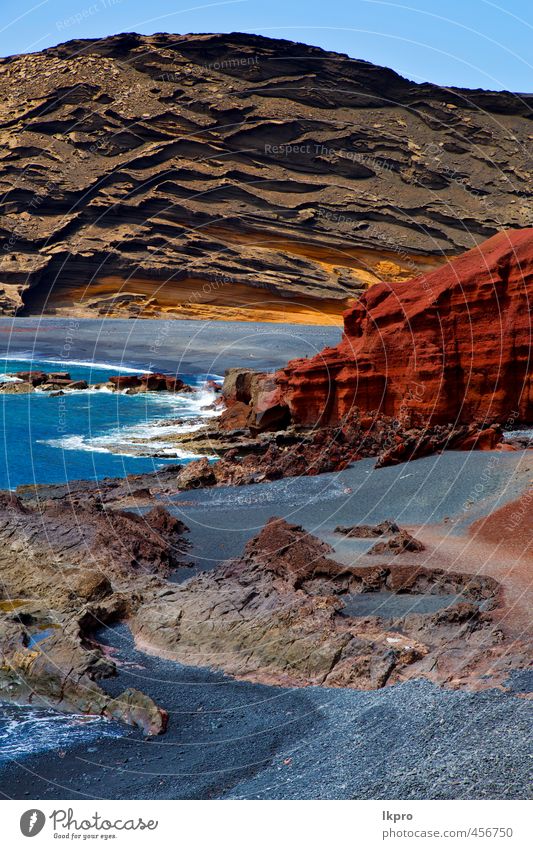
[
  {"x": 222, "y": 750},
  {"x": 231, "y": 739}
]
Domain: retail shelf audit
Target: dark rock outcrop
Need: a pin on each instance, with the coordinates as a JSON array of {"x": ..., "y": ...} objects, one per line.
[
  {"x": 278, "y": 614},
  {"x": 397, "y": 544},
  {"x": 69, "y": 566},
  {"x": 368, "y": 531}
]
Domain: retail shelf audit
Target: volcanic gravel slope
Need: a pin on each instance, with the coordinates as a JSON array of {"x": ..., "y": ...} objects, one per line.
[{"x": 236, "y": 176}]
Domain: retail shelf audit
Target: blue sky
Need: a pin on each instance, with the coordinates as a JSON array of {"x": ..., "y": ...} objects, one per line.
[{"x": 474, "y": 43}]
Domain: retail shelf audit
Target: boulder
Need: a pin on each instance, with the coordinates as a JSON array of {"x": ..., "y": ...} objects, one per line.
[
  {"x": 235, "y": 417},
  {"x": 397, "y": 544},
  {"x": 237, "y": 385},
  {"x": 18, "y": 388},
  {"x": 153, "y": 382},
  {"x": 136, "y": 708},
  {"x": 33, "y": 377},
  {"x": 176, "y": 384},
  {"x": 125, "y": 381},
  {"x": 481, "y": 440},
  {"x": 197, "y": 474},
  {"x": 368, "y": 531}
]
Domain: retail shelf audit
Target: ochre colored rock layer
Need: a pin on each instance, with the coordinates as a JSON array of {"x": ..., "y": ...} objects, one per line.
[{"x": 450, "y": 346}]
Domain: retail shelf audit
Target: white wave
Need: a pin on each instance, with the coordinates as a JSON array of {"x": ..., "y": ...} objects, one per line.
[
  {"x": 26, "y": 731},
  {"x": 103, "y": 445},
  {"x": 83, "y": 363},
  {"x": 101, "y": 366},
  {"x": 147, "y": 438},
  {"x": 38, "y": 390},
  {"x": 10, "y": 378},
  {"x": 74, "y": 443}
]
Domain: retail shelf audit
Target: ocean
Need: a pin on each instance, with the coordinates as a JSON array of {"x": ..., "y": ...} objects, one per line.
[{"x": 53, "y": 439}]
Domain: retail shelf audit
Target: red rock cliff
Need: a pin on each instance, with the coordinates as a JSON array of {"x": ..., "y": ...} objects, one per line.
[{"x": 452, "y": 345}]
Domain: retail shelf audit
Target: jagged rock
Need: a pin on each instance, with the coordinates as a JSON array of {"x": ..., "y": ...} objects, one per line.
[
  {"x": 238, "y": 386},
  {"x": 276, "y": 614},
  {"x": 236, "y": 417},
  {"x": 398, "y": 543},
  {"x": 124, "y": 381},
  {"x": 373, "y": 177},
  {"x": 19, "y": 388},
  {"x": 68, "y": 566},
  {"x": 33, "y": 377},
  {"x": 367, "y": 531},
  {"x": 78, "y": 384},
  {"x": 197, "y": 474},
  {"x": 153, "y": 382}
]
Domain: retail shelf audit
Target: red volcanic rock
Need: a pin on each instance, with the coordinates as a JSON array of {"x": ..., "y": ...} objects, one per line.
[
  {"x": 125, "y": 381},
  {"x": 452, "y": 345},
  {"x": 36, "y": 378},
  {"x": 152, "y": 382},
  {"x": 253, "y": 400},
  {"x": 176, "y": 384},
  {"x": 483, "y": 440},
  {"x": 236, "y": 416},
  {"x": 157, "y": 382},
  {"x": 53, "y": 376}
]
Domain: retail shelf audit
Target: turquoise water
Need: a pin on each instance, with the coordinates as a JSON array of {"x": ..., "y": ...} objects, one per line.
[{"x": 55, "y": 439}]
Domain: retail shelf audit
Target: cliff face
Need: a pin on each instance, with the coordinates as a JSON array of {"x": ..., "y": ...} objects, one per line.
[
  {"x": 450, "y": 346},
  {"x": 235, "y": 176}
]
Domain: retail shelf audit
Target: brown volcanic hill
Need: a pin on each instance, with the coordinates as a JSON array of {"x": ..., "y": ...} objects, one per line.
[
  {"x": 454, "y": 345},
  {"x": 236, "y": 176}
]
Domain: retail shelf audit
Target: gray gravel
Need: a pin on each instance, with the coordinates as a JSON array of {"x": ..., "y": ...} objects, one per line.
[
  {"x": 234, "y": 739},
  {"x": 413, "y": 741},
  {"x": 455, "y": 487}
]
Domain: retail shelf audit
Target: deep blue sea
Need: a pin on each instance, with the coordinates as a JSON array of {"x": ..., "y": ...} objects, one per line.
[{"x": 49, "y": 439}]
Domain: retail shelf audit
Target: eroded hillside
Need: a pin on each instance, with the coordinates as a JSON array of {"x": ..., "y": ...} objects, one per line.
[{"x": 235, "y": 176}]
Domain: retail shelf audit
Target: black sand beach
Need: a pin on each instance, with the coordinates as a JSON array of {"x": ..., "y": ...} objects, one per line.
[{"x": 232, "y": 739}]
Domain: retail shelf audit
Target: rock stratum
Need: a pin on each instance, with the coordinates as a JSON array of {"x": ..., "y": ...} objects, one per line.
[{"x": 240, "y": 177}]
